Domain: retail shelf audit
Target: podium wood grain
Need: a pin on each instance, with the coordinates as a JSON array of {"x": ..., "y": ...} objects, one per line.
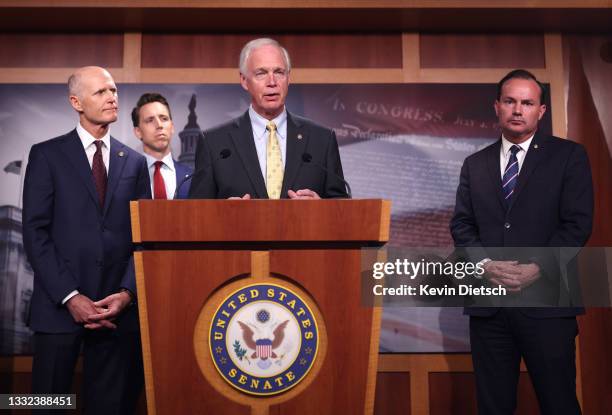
[{"x": 193, "y": 250}]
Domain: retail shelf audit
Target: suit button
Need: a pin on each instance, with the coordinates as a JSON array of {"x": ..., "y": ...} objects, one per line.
[
  {"x": 507, "y": 225},
  {"x": 99, "y": 263}
]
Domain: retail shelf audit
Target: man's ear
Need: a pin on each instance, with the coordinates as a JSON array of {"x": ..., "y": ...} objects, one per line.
[
  {"x": 542, "y": 111},
  {"x": 76, "y": 103},
  {"x": 138, "y": 133},
  {"x": 243, "y": 82}
]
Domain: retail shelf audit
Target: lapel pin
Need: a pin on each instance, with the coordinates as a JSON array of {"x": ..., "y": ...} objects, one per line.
[
  {"x": 535, "y": 146},
  {"x": 299, "y": 136},
  {"x": 121, "y": 154}
]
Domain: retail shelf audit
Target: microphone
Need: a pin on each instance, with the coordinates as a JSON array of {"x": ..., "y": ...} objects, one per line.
[
  {"x": 307, "y": 158},
  {"x": 223, "y": 154}
]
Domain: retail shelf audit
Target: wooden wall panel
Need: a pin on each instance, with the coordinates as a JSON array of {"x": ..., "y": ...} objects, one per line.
[
  {"x": 595, "y": 326},
  {"x": 309, "y": 16},
  {"x": 585, "y": 126},
  {"x": 15, "y": 382},
  {"x": 345, "y": 51},
  {"x": 307, "y": 50},
  {"x": 482, "y": 51},
  {"x": 455, "y": 393},
  {"x": 60, "y": 50},
  {"x": 392, "y": 393}
]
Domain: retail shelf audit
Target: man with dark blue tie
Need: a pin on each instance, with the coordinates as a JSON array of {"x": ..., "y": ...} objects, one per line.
[
  {"x": 533, "y": 191},
  {"x": 153, "y": 126},
  {"x": 77, "y": 236}
]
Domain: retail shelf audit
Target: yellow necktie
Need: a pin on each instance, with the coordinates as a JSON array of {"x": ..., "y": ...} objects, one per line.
[{"x": 274, "y": 164}]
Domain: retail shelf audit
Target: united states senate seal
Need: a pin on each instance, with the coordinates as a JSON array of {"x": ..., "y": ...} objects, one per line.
[{"x": 263, "y": 339}]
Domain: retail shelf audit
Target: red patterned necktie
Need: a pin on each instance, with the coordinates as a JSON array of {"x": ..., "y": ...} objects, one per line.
[
  {"x": 99, "y": 172},
  {"x": 159, "y": 186}
]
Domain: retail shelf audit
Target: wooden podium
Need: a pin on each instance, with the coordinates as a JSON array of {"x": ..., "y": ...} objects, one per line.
[{"x": 196, "y": 253}]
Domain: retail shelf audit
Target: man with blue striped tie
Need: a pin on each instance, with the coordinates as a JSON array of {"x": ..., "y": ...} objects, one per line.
[{"x": 533, "y": 191}]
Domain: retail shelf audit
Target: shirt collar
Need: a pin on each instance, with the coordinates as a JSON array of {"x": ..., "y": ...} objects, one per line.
[
  {"x": 259, "y": 123},
  {"x": 167, "y": 160},
  {"x": 506, "y": 144},
  {"x": 87, "y": 139}
]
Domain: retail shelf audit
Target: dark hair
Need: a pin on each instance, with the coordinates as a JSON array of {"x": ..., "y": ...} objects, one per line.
[
  {"x": 145, "y": 99},
  {"x": 522, "y": 74}
]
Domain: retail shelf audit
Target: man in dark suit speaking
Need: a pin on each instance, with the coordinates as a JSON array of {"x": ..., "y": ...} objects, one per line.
[
  {"x": 525, "y": 190},
  {"x": 267, "y": 152},
  {"x": 77, "y": 236}
]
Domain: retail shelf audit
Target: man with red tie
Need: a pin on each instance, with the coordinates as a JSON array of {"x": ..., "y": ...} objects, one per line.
[
  {"x": 77, "y": 236},
  {"x": 154, "y": 127}
]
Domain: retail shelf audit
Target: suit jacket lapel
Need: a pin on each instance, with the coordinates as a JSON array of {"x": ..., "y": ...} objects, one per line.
[
  {"x": 532, "y": 159},
  {"x": 181, "y": 174},
  {"x": 297, "y": 141},
  {"x": 117, "y": 159},
  {"x": 244, "y": 143},
  {"x": 75, "y": 153},
  {"x": 495, "y": 172}
]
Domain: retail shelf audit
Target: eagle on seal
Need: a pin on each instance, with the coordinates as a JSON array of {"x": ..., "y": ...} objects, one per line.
[{"x": 263, "y": 347}]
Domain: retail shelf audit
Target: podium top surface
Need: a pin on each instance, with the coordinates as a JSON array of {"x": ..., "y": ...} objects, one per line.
[{"x": 338, "y": 220}]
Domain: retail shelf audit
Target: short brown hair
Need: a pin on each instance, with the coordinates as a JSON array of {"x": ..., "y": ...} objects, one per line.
[
  {"x": 145, "y": 99},
  {"x": 522, "y": 74}
]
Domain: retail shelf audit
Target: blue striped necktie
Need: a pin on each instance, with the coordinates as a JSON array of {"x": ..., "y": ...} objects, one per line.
[{"x": 510, "y": 175}]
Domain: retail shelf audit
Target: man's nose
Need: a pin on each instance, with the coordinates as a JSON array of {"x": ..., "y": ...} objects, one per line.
[{"x": 271, "y": 79}]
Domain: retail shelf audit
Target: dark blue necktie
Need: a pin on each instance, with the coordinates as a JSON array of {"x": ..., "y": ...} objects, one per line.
[{"x": 510, "y": 175}]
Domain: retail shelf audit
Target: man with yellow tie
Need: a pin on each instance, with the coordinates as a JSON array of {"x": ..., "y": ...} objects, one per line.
[{"x": 267, "y": 152}]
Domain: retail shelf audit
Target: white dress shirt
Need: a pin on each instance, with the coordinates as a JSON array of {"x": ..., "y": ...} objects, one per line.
[
  {"x": 90, "y": 148},
  {"x": 504, "y": 153},
  {"x": 167, "y": 171},
  {"x": 260, "y": 135}
]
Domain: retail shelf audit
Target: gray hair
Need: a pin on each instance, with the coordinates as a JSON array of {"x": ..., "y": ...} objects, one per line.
[
  {"x": 74, "y": 85},
  {"x": 257, "y": 43},
  {"x": 76, "y": 79}
]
